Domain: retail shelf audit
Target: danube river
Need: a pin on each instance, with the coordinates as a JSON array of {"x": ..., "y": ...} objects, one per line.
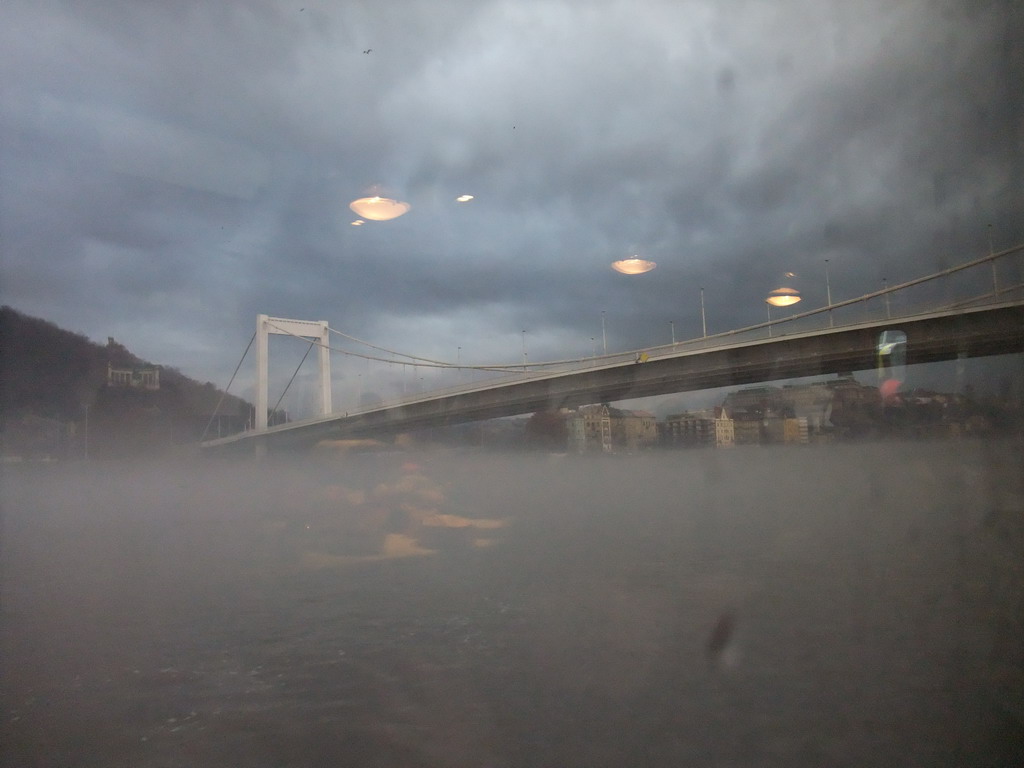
[{"x": 841, "y": 605}]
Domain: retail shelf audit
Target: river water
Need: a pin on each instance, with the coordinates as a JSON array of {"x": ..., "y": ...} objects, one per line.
[{"x": 841, "y": 605}]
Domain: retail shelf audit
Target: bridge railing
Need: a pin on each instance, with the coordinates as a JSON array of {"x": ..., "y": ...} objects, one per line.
[{"x": 991, "y": 279}]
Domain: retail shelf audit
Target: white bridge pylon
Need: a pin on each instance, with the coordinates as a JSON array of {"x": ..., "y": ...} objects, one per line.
[{"x": 308, "y": 329}]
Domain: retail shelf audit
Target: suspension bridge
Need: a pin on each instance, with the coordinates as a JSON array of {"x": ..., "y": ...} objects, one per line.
[{"x": 974, "y": 309}]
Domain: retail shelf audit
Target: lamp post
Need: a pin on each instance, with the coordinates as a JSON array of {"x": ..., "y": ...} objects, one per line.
[
  {"x": 524, "y": 349},
  {"x": 672, "y": 325},
  {"x": 885, "y": 288},
  {"x": 768, "y": 304},
  {"x": 703, "y": 319},
  {"x": 828, "y": 294},
  {"x": 604, "y": 336},
  {"x": 995, "y": 277}
]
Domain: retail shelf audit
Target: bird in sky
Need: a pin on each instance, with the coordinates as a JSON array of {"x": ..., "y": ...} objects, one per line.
[{"x": 368, "y": 50}]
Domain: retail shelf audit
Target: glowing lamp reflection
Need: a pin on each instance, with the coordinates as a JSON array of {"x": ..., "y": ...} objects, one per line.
[
  {"x": 783, "y": 297},
  {"x": 379, "y": 208},
  {"x": 633, "y": 266}
]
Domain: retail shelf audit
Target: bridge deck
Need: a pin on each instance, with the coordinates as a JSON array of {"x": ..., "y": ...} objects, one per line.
[{"x": 933, "y": 337}]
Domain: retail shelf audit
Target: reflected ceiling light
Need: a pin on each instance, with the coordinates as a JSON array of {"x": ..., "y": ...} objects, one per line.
[
  {"x": 463, "y": 198},
  {"x": 358, "y": 223},
  {"x": 785, "y": 295},
  {"x": 634, "y": 265},
  {"x": 377, "y": 208}
]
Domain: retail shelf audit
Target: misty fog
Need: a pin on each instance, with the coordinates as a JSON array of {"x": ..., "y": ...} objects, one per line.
[{"x": 843, "y": 605}]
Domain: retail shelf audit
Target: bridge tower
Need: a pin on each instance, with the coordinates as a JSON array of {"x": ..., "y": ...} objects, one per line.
[{"x": 308, "y": 329}]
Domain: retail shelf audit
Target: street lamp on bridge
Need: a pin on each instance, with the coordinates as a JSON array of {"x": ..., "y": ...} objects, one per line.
[{"x": 828, "y": 295}]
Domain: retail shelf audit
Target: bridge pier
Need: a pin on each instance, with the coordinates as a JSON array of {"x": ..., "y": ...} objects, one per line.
[{"x": 307, "y": 329}]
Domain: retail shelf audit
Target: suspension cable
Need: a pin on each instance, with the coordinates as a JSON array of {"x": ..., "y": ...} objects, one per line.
[
  {"x": 293, "y": 377},
  {"x": 384, "y": 349},
  {"x": 442, "y": 364},
  {"x": 225, "y": 392},
  {"x": 433, "y": 364}
]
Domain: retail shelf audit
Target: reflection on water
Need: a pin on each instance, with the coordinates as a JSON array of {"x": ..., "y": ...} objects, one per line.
[
  {"x": 394, "y": 519},
  {"x": 844, "y": 606}
]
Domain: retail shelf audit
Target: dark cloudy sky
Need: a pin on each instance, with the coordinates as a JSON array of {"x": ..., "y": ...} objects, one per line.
[{"x": 172, "y": 169}]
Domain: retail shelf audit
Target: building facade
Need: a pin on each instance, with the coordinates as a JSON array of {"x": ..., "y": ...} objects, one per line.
[
  {"x": 701, "y": 428},
  {"x": 633, "y": 430},
  {"x": 590, "y": 429},
  {"x": 136, "y": 378}
]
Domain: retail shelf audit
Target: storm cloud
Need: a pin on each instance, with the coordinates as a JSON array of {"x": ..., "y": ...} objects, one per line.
[{"x": 171, "y": 170}]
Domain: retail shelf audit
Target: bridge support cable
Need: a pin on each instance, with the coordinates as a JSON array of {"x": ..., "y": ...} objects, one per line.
[
  {"x": 434, "y": 363},
  {"x": 225, "y": 392},
  {"x": 426, "y": 362},
  {"x": 288, "y": 385}
]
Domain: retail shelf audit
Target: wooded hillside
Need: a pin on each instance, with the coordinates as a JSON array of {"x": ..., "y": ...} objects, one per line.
[{"x": 56, "y": 399}]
